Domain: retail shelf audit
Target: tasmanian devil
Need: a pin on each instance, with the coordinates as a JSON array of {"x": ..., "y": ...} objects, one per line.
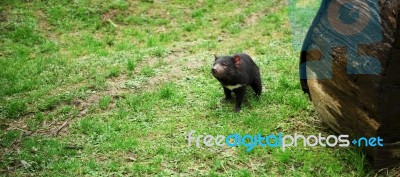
[{"x": 235, "y": 73}]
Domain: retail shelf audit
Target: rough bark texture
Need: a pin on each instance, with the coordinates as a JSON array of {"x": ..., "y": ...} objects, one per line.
[{"x": 361, "y": 105}]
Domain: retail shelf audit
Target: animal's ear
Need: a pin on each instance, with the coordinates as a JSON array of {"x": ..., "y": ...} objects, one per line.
[
  {"x": 236, "y": 59},
  {"x": 215, "y": 57}
]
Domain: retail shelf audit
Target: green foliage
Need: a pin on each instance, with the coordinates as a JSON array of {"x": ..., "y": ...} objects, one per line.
[
  {"x": 114, "y": 72},
  {"x": 15, "y": 109},
  {"x": 147, "y": 71},
  {"x": 104, "y": 102},
  {"x": 131, "y": 65},
  {"x": 9, "y": 138},
  {"x": 167, "y": 91}
]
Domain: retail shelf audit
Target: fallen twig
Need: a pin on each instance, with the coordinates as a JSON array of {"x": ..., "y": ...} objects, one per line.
[
  {"x": 62, "y": 126},
  {"x": 112, "y": 23}
]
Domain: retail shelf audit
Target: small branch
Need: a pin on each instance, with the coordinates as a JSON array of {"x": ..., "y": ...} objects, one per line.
[
  {"x": 62, "y": 126},
  {"x": 112, "y": 23}
]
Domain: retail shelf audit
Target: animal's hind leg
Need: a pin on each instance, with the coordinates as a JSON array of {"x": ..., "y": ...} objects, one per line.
[{"x": 257, "y": 86}]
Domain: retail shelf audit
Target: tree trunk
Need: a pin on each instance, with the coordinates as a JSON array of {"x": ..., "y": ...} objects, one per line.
[{"x": 350, "y": 67}]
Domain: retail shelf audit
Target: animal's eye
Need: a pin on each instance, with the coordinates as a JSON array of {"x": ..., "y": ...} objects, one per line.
[{"x": 224, "y": 63}]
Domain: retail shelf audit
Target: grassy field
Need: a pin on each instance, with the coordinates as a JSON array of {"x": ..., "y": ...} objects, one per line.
[{"x": 112, "y": 88}]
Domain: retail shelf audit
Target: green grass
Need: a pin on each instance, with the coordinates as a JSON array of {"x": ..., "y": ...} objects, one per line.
[{"x": 134, "y": 76}]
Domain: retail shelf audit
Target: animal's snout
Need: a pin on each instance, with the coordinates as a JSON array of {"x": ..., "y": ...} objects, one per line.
[{"x": 217, "y": 70}]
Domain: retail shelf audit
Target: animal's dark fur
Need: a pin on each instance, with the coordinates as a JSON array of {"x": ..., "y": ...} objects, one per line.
[{"x": 235, "y": 73}]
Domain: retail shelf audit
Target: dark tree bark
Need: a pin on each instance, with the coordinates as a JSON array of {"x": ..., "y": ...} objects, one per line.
[{"x": 350, "y": 67}]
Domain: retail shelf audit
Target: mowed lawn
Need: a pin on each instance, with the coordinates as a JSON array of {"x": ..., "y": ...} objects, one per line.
[{"x": 112, "y": 88}]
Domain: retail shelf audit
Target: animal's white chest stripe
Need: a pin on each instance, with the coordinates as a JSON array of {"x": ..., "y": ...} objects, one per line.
[{"x": 231, "y": 87}]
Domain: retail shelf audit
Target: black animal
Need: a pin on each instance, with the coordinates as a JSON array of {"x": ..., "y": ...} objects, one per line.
[{"x": 235, "y": 73}]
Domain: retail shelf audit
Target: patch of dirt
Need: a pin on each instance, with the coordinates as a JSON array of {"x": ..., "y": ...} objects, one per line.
[
  {"x": 179, "y": 65},
  {"x": 175, "y": 71},
  {"x": 43, "y": 25},
  {"x": 3, "y": 16},
  {"x": 157, "y": 12},
  {"x": 109, "y": 15},
  {"x": 254, "y": 18},
  {"x": 195, "y": 64}
]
